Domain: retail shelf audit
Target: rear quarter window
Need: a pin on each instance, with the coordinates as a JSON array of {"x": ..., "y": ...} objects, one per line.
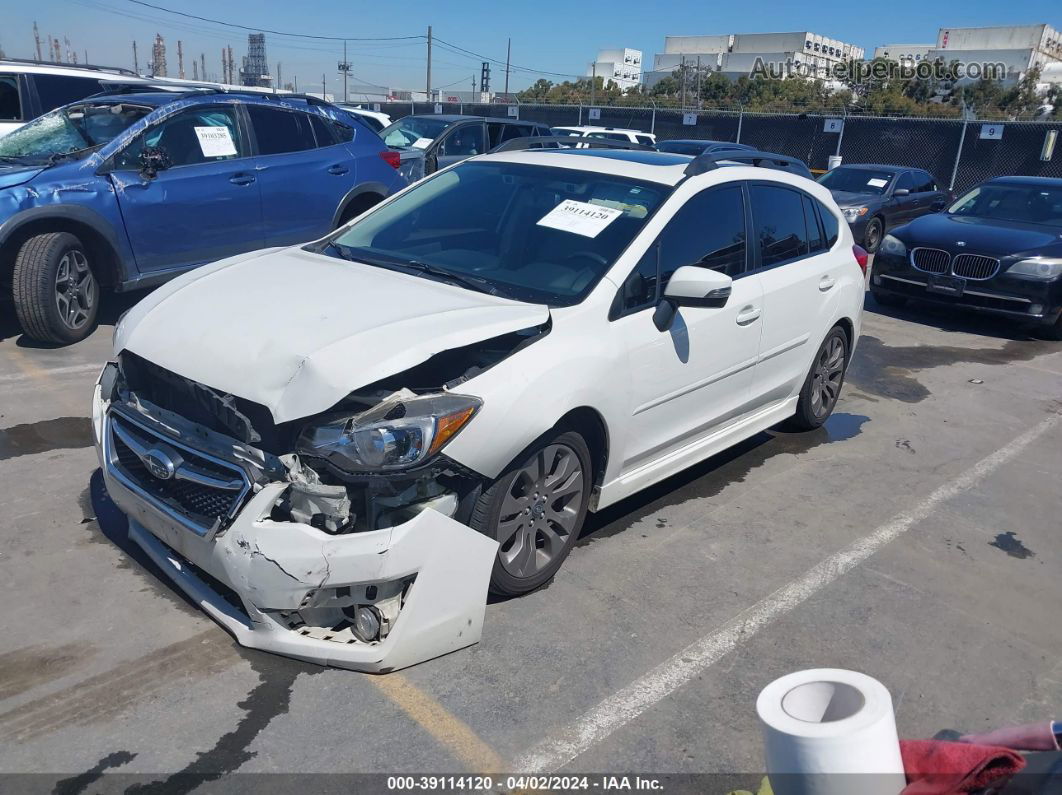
[
  {"x": 10, "y": 100},
  {"x": 54, "y": 91}
]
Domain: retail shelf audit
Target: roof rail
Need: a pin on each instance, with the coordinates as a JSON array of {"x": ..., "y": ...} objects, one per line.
[
  {"x": 710, "y": 160},
  {"x": 89, "y": 66},
  {"x": 152, "y": 87},
  {"x": 556, "y": 142}
]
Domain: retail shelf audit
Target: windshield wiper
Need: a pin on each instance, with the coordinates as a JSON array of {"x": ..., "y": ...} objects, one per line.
[
  {"x": 11, "y": 159},
  {"x": 471, "y": 282}
]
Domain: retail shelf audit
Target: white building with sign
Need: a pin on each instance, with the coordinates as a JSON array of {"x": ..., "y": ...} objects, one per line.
[{"x": 622, "y": 67}]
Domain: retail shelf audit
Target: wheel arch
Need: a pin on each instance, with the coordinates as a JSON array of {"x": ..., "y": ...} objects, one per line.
[
  {"x": 97, "y": 239},
  {"x": 589, "y": 424},
  {"x": 361, "y": 193},
  {"x": 848, "y": 327}
]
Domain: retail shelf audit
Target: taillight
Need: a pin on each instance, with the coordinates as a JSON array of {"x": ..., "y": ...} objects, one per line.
[
  {"x": 392, "y": 158},
  {"x": 861, "y": 257}
]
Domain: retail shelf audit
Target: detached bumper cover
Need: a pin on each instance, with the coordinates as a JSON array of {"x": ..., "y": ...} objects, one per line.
[{"x": 255, "y": 575}]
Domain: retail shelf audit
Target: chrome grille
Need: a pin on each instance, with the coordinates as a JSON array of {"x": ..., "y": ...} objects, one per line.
[
  {"x": 931, "y": 260},
  {"x": 200, "y": 491},
  {"x": 974, "y": 266}
]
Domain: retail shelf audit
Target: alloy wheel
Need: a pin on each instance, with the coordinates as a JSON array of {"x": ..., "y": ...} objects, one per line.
[
  {"x": 540, "y": 510},
  {"x": 826, "y": 381},
  {"x": 76, "y": 290}
]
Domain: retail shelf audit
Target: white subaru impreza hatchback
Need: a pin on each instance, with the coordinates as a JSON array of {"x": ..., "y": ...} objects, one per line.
[{"x": 337, "y": 448}]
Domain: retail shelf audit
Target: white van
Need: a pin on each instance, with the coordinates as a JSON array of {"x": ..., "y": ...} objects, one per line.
[{"x": 30, "y": 88}]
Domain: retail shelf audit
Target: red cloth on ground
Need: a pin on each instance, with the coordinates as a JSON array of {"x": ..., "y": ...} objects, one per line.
[{"x": 939, "y": 768}]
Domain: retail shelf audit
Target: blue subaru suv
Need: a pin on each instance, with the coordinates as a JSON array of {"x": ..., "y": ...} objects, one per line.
[{"x": 127, "y": 189}]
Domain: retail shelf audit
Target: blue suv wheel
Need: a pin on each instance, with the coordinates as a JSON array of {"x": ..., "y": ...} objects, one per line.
[{"x": 56, "y": 293}]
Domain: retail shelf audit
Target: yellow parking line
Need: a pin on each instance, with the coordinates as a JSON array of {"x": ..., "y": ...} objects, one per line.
[{"x": 451, "y": 732}]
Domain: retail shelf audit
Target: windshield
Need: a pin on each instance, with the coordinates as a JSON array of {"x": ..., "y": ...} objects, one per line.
[
  {"x": 531, "y": 233},
  {"x": 67, "y": 130},
  {"x": 857, "y": 180},
  {"x": 1034, "y": 204},
  {"x": 415, "y": 131}
]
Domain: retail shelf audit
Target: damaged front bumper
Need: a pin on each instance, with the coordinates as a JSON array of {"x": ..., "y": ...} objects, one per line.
[{"x": 286, "y": 586}]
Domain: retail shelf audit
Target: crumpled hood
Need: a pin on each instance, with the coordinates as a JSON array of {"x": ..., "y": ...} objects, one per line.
[
  {"x": 12, "y": 175},
  {"x": 297, "y": 331}
]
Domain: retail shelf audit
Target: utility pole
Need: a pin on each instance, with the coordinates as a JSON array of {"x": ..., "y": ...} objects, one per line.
[
  {"x": 232, "y": 68},
  {"x": 37, "y": 40},
  {"x": 428, "y": 81},
  {"x": 698, "y": 82},
  {"x": 180, "y": 59},
  {"x": 202, "y": 65},
  {"x": 593, "y": 82},
  {"x": 224, "y": 67},
  {"x": 296, "y": 84},
  {"x": 344, "y": 67},
  {"x": 195, "y": 69},
  {"x": 324, "y": 94},
  {"x": 508, "y": 55},
  {"x": 136, "y": 62},
  {"x": 683, "y": 63},
  {"x": 276, "y": 88}
]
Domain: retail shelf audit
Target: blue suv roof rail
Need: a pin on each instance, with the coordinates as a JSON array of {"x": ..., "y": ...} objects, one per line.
[{"x": 710, "y": 160}]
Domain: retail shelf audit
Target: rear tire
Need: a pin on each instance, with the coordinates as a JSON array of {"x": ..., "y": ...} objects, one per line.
[
  {"x": 535, "y": 511},
  {"x": 888, "y": 299},
  {"x": 57, "y": 296},
  {"x": 822, "y": 387}
]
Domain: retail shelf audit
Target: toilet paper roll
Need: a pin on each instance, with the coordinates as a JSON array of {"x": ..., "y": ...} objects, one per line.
[{"x": 828, "y": 731}]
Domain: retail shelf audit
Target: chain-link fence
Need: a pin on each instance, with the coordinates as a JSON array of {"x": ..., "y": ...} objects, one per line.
[{"x": 956, "y": 152}]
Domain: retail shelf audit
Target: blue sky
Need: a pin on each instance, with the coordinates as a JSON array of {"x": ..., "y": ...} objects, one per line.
[{"x": 551, "y": 36}]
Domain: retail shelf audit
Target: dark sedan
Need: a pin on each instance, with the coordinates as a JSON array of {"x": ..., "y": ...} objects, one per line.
[
  {"x": 696, "y": 146},
  {"x": 874, "y": 198},
  {"x": 997, "y": 249}
]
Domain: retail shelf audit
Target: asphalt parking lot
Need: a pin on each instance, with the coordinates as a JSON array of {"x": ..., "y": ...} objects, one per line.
[{"x": 914, "y": 538}]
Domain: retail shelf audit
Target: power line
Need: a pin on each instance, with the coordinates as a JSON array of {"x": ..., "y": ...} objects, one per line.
[{"x": 267, "y": 30}]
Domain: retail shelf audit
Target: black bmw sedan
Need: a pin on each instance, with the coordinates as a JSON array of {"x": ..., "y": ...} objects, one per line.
[{"x": 997, "y": 249}]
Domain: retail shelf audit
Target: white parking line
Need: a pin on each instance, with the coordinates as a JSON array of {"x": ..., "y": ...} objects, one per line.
[
  {"x": 624, "y": 706},
  {"x": 70, "y": 370}
]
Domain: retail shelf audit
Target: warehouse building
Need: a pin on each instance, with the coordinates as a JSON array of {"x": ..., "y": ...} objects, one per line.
[{"x": 803, "y": 54}]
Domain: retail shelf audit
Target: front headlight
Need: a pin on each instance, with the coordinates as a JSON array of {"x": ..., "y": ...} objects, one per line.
[
  {"x": 852, "y": 213},
  {"x": 1039, "y": 268},
  {"x": 398, "y": 433},
  {"x": 892, "y": 245}
]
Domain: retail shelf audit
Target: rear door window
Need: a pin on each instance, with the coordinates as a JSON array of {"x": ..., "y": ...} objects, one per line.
[
  {"x": 57, "y": 90},
  {"x": 816, "y": 241},
  {"x": 466, "y": 140},
  {"x": 779, "y": 228},
  {"x": 279, "y": 131},
  {"x": 10, "y": 99},
  {"x": 322, "y": 130},
  {"x": 906, "y": 181}
]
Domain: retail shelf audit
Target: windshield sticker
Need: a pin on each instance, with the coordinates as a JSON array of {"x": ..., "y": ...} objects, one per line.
[
  {"x": 877, "y": 183},
  {"x": 422, "y": 143},
  {"x": 579, "y": 218},
  {"x": 215, "y": 141}
]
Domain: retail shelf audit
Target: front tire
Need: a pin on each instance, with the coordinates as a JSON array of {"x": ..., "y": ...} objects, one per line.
[
  {"x": 57, "y": 297},
  {"x": 535, "y": 511},
  {"x": 822, "y": 387},
  {"x": 872, "y": 235}
]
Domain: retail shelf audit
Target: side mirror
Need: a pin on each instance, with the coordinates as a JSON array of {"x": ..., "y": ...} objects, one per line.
[
  {"x": 153, "y": 159},
  {"x": 901, "y": 192},
  {"x": 692, "y": 285}
]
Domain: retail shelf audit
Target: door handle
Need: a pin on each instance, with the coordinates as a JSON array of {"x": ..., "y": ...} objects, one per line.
[
  {"x": 241, "y": 179},
  {"x": 747, "y": 315},
  {"x": 338, "y": 170},
  {"x": 826, "y": 283}
]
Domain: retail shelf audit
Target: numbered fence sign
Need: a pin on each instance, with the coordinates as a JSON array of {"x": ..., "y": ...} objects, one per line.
[
  {"x": 833, "y": 125},
  {"x": 689, "y": 119},
  {"x": 595, "y": 114},
  {"x": 376, "y": 107},
  {"x": 438, "y": 107},
  {"x": 514, "y": 112},
  {"x": 993, "y": 132}
]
